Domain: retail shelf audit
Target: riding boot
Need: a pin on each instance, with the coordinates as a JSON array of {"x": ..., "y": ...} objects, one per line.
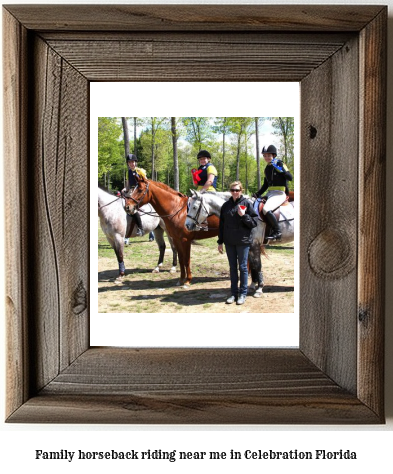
[
  {"x": 276, "y": 233},
  {"x": 138, "y": 222}
]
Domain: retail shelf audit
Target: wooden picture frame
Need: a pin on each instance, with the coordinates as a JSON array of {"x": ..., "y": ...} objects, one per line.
[{"x": 338, "y": 54}]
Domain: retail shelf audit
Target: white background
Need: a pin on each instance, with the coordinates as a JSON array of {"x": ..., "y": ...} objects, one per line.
[
  {"x": 197, "y": 99},
  {"x": 372, "y": 443}
]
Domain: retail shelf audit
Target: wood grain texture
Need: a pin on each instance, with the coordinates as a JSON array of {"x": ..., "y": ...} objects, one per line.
[
  {"x": 336, "y": 375},
  {"x": 193, "y": 386},
  {"x": 329, "y": 193},
  {"x": 16, "y": 229},
  {"x": 195, "y": 17},
  {"x": 60, "y": 212},
  {"x": 371, "y": 231},
  {"x": 222, "y": 58}
]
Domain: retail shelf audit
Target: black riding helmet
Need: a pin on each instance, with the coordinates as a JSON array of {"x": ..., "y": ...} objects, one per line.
[
  {"x": 203, "y": 154},
  {"x": 270, "y": 149},
  {"x": 131, "y": 157}
]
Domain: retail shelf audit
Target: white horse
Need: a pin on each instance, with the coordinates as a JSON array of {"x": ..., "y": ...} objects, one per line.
[
  {"x": 200, "y": 206},
  {"x": 116, "y": 225}
]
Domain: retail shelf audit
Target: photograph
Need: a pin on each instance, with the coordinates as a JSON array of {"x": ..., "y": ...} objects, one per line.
[{"x": 196, "y": 214}]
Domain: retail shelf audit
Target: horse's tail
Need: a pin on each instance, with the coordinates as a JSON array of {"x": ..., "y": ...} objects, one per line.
[{"x": 263, "y": 251}]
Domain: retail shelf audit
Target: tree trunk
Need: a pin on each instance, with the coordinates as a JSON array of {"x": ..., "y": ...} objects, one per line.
[
  {"x": 223, "y": 161},
  {"x": 126, "y": 136},
  {"x": 175, "y": 157},
  {"x": 239, "y": 138},
  {"x": 153, "y": 136},
  {"x": 245, "y": 140},
  {"x": 283, "y": 126},
  {"x": 135, "y": 147},
  {"x": 257, "y": 152}
]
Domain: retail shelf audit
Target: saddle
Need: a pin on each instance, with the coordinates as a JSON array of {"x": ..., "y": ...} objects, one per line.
[{"x": 277, "y": 213}]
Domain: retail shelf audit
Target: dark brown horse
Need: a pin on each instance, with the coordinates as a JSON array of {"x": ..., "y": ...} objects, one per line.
[{"x": 171, "y": 206}]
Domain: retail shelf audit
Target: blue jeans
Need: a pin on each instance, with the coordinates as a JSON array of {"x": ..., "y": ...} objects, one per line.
[{"x": 238, "y": 254}]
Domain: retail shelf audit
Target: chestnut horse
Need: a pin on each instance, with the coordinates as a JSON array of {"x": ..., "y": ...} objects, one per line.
[{"x": 171, "y": 206}]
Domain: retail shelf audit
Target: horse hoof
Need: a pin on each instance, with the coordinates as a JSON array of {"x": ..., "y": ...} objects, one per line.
[
  {"x": 172, "y": 270},
  {"x": 156, "y": 270},
  {"x": 186, "y": 286}
]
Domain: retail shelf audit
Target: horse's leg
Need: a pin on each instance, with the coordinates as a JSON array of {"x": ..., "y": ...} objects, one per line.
[
  {"x": 182, "y": 261},
  {"x": 159, "y": 235},
  {"x": 118, "y": 247},
  {"x": 187, "y": 262},
  {"x": 254, "y": 258},
  {"x": 174, "y": 254}
]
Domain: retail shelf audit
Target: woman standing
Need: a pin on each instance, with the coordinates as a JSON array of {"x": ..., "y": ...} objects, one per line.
[{"x": 237, "y": 219}]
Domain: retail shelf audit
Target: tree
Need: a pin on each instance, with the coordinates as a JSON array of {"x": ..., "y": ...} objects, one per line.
[
  {"x": 222, "y": 125},
  {"x": 257, "y": 152},
  {"x": 135, "y": 144},
  {"x": 109, "y": 146},
  {"x": 175, "y": 157},
  {"x": 155, "y": 124},
  {"x": 126, "y": 136},
  {"x": 284, "y": 129},
  {"x": 249, "y": 130},
  {"x": 238, "y": 128},
  {"x": 198, "y": 131}
]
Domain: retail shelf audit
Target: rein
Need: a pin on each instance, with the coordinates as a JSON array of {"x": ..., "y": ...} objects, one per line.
[
  {"x": 202, "y": 225},
  {"x": 158, "y": 215},
  {"x": 101, "y": 207}
]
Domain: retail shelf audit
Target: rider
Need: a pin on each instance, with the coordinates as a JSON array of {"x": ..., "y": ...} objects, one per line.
[
  {"x": 205, "y": 177},
  {"x": 133, "y": 173},
  {"x": 275, "y": 183}
]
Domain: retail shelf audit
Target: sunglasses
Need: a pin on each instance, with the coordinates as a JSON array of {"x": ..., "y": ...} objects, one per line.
[{"x": 235, "y": 190}]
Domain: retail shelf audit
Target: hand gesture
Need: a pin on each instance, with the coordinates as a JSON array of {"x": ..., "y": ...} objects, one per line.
[
  {"x": 278, "y": 164},
  {"x": 241, "y": 210}
]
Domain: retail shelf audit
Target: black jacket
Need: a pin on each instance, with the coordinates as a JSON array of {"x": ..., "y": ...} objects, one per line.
[
  {"x": 275, "y": 178},
  {"x": 236, "y": 230}
]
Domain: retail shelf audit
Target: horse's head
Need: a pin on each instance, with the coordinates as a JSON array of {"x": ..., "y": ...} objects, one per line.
[
  {"x": 197, "y": 212},
  {"x": 137, "y": 197}
]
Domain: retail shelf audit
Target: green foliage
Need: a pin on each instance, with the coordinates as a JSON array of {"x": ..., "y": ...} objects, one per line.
[
  {"x": 284, "y": 129},
  {"x": 154, "y": 148},
  {"x": 109, "y": 144}
]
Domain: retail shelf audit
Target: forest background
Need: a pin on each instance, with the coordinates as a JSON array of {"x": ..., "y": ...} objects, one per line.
[{"x": 167, "y": 148}]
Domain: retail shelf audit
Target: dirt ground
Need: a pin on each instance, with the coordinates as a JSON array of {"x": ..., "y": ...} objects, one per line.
[{"x": 142, "y": 291}]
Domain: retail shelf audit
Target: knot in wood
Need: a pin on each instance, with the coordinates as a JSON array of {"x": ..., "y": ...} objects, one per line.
[
  {"x": 80, "y": 299},
  {"x": 331, "y": 255}
]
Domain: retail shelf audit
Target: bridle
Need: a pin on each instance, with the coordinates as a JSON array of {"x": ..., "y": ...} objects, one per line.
[
  {"x": 200, "y": 225},
  {"x": 141, "y": 198},
  {"x": 154, "y": 214}
]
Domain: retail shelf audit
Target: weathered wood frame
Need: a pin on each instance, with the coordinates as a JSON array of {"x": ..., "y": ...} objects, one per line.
[{"x": 338, "y": 53}]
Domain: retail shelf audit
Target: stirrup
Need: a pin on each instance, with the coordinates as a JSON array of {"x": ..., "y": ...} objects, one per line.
[{"x": 275, "y": 236}]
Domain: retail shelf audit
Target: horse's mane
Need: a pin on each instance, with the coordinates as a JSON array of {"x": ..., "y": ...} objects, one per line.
[
  {"x": 168, "y": 188},
  {"x": 106, "y": 191},
  {"x": 102, "y": 188}
]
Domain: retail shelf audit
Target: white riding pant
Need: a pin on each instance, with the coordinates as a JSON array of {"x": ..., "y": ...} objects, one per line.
[{"x": 274, "y": 200}]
